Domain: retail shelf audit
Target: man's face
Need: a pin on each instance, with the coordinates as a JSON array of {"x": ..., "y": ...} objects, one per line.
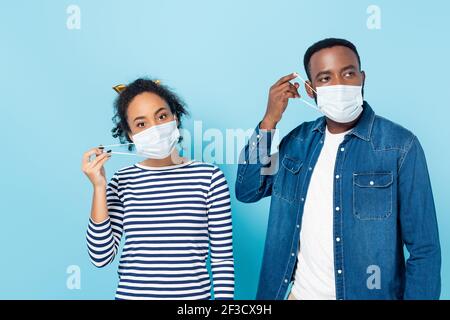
[{"x": 337, "y": 65}]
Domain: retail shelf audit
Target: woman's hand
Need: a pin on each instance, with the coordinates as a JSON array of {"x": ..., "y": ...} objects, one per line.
[{"x": 93, "y": 168}]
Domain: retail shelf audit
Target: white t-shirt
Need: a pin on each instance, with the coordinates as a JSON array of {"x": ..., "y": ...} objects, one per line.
[{"x": 314, "y": 274}]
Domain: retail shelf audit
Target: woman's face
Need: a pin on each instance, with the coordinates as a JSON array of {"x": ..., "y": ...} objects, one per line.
[{"x": 147, "y": 110}]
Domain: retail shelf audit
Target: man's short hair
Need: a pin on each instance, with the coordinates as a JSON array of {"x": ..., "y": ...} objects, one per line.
[{"x": 327, "y": 43}]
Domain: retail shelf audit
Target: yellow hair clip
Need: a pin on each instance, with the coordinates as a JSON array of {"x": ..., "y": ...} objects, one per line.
[{"x": 120, "y": 87}]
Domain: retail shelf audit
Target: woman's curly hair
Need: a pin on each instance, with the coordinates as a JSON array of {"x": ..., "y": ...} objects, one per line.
[{"x": 141, "y": 85}]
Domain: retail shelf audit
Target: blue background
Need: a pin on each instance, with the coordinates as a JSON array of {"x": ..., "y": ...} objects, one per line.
[{"x": 221, "y": 57}]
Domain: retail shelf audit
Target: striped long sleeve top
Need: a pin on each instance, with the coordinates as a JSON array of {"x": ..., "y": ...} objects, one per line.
[{"x": 171, "y": 219}]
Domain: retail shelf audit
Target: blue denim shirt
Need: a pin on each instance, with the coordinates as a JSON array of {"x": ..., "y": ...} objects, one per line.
[{"x": 382, "y": 202}]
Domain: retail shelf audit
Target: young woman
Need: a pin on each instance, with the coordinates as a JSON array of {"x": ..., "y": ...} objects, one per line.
[{"x": 170, "y": 210}]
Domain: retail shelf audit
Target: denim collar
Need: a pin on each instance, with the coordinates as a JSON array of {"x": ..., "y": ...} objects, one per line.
[{"x": 363, "y": 128}]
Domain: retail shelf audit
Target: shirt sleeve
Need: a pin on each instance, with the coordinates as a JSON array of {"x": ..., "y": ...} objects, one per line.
[
  {"x": 419, "y": 227},
  {"x": 220, "y": 237},
  {"x": 103, "y": 238},
  {"x": 257, "y": 167}
]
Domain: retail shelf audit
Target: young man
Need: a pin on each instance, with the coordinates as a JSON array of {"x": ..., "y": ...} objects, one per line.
[{"x": 350, "y": 190}]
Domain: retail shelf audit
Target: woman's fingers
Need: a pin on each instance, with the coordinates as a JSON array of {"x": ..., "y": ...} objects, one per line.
[
  {"x": 101, "y": 161},
  {"x": 98, "y": 158},
  {"x": 93, "y": 168},
  {"x": 85, "y": 163},
  {"x": 88, "y": 154}
]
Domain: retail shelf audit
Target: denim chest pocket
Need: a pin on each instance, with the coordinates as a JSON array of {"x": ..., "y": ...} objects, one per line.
[
  {"x": 372, "y": 195},
  {"x": 285, "y": 183}
]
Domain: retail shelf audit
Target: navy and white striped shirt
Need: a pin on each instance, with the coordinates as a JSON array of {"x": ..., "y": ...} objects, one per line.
[{"x": 170, "y": 216}]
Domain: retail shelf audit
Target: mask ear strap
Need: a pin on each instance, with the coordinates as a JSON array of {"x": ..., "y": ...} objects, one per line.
[
  {"x": 310, "y": 104},
  {"x": 116, "y": 145},
  {"x": 304, "y": 81},
  {"x": 124, "y": 153},
  {"x": 305, "y": 101}
]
